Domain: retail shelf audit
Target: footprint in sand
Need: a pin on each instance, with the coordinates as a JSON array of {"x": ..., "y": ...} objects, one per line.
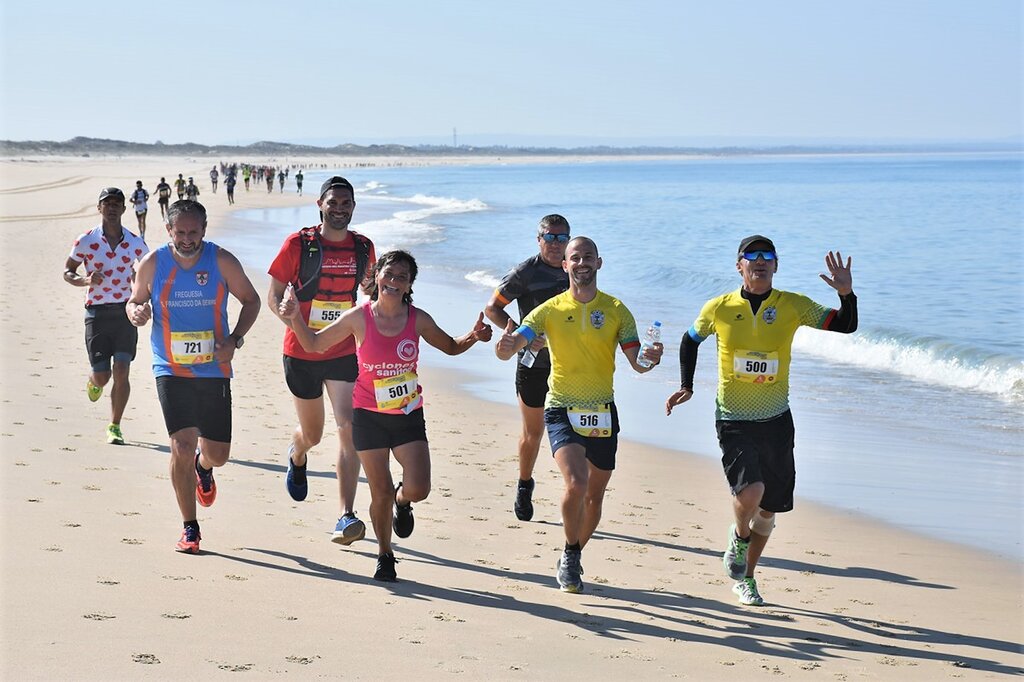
[
  {"x": 146, "y": 659},
  {"x": 301, "y": 660},
  {"x": 98, "y": 616},
  {"x": 177, "y": 615}
]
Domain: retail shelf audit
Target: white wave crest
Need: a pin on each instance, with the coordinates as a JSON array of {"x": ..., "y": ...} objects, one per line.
[
  {"x": 483, "y": 278},
  {"x": 928, "y": 362}
]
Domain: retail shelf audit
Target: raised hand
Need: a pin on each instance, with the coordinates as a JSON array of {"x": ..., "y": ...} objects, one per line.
[
  {"x": 841, "y": 279},
  {"x": 481, "y": 330},
  {"x": 506, "y": 345},
  {"x": 289, "y": 306}
]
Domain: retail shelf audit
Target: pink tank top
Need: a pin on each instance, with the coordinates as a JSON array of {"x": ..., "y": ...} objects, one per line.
[{"x": 387, "y": 380}]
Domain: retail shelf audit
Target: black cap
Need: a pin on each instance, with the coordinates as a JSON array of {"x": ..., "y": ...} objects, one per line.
[
  {"x": 753, "y": 239},
  {"x": 111, "y": 192},
  {"x": 336, "y": 181}
]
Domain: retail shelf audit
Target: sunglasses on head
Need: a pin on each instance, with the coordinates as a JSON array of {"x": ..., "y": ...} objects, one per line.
[
  {"x": 752, "y": 255},
  {"x": 549, "y": 237}
]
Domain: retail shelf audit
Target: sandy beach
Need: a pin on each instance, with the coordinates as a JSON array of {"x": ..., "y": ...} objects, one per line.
[{"x": 92, "y": 589}]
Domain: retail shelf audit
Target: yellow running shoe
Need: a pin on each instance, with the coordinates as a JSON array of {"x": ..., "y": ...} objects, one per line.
[
  {"x": 114, "y": 436},
  {"x": 92, "y": 390}
]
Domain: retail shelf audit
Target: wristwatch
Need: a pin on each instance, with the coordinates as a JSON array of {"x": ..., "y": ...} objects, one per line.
[{"x": 239, "y": 340}]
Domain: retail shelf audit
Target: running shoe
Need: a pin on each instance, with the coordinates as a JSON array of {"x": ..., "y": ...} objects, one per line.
[
  {"x": 524, "y": 502},
  {"x": 114, "y": 436},
  {"x": 206, "y": 487},
  {"x": 746, "y": 590},
  {"x": 735, "y": 557},
  {"x": 386, "y": 569},
  {"x": 295, "y": 479},
  {"x": 569, "y": 571},
  {"x": 349, "y": 529},
  {"x": 189, "y": 541},
  {"x": 403, "y": 522},
  {"x": 92, "y": 390}
]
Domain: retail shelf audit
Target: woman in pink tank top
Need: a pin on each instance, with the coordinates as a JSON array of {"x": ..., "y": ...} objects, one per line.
[{"x": 387, "y": 398}]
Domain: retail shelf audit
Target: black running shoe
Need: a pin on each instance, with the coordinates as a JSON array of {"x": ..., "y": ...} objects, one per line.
[
  {"x": 524, "y": 500},
  {"x": 386, "y": 569},
  {"x": 403, "y": 522}
]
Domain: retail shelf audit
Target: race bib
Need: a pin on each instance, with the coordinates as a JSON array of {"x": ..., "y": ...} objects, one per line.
[
  {"x": 322, "y": 313},
  {"x": 591, "y": 422},
  {"x": 398, "y": 393},
  {"x": 191, "y": 348},
  {"x": 755, "y": 367}
]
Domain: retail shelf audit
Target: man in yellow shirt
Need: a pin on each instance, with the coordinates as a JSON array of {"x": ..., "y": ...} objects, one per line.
[
  {"x": 583, "y": 326},
  {"x": 755, "y": 326}
]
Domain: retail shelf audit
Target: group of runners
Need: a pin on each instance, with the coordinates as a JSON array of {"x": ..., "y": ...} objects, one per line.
[
  {"x": 365, "y": 357},
  {"x": 187, "y": 189}
]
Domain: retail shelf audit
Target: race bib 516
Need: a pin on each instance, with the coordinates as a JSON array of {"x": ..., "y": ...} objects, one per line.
[
  {"x": 591, "y": 422},
  {"x": 398, "y": 393},
  {"x": 322, "y": 313},
  {"x": 192, "y": 348},
  {"x": 755, "y": 367}
]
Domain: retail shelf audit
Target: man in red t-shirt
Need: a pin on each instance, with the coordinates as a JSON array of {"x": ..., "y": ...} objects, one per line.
[{"x": 325, "y": 265}]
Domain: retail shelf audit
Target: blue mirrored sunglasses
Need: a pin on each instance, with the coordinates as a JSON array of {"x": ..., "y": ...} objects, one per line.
[
  {"x": 752, "y": 255},
  {"x": 548, "y": 237}
]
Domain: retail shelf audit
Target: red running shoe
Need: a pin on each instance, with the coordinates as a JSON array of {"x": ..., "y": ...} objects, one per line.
[
  {"x": 189, "y": 541},
  {"x": 206, "y": 487}
]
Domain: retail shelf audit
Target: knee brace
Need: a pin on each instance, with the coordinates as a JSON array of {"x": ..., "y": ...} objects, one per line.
[{"x": 761, "y": 525}]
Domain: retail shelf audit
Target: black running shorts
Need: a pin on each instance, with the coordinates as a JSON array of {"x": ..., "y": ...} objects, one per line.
[
  {"x": 532, "y": 385},
  {"x": 306, "y": 378},
  {"x": 379, "y": 431},
  {"x": 109, "y": 334},
  {"x": 201, "y": 403},
  {"x": 755, "y": 452}
]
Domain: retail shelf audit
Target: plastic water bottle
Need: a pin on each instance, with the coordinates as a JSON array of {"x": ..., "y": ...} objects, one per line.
[
  {"x": 528, "y": 358},
  {"x": 652, "y": 337}
]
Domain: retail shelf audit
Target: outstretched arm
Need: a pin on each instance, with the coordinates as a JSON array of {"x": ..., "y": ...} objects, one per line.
[{"x": 439, "y": 338}]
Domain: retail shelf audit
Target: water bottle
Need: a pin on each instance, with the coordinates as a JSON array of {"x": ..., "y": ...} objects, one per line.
[
  {"x": 652, "y": 337},
  {"x": 528, "y": 357}
]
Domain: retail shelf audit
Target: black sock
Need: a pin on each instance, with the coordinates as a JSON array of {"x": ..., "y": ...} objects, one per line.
[
  {"x": 575, "y": 547},
  {"x": 192, "y": 524}
]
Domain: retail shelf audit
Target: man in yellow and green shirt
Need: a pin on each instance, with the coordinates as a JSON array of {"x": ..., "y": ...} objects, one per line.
[{"x": 754, "y": 326}]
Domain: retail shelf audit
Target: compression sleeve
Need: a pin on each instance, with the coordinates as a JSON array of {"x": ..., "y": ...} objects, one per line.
[
  {"x": 688, "y": 359},
  {"x": 845, "y": 319}
]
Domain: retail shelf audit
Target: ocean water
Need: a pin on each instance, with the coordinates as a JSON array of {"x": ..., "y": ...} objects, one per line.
[{"x": 916, "y": 420}]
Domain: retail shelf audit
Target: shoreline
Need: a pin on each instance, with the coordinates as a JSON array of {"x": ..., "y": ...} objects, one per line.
[{"x": 90, "y": 528}]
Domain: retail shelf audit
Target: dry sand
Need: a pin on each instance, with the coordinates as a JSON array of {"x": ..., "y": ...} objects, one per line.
[{"x": 92, "y": 589}]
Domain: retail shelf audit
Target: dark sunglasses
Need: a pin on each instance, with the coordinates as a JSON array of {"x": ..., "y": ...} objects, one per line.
[
  {"x": 560, "y": 238},
  {"x": 752, "y": 255}
]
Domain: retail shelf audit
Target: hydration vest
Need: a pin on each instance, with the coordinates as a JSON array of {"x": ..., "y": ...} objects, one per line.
[{"x": 312, "y": 258}]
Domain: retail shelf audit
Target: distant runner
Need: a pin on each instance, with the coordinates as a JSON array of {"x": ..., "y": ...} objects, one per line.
[{"x": 139, "y": 198}]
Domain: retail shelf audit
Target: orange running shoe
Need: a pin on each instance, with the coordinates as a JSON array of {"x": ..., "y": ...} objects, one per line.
[
  {"x": 189, "y": 541},
  {"x": 206, "y": 487}
]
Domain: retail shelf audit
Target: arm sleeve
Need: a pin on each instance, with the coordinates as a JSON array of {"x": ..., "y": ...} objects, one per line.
[
  {"x": 844, "y": 320},
  {"x": 688, "y": 346}
]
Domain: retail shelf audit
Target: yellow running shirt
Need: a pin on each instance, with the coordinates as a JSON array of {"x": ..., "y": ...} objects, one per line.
[
  {"x": 581, "y": 338},
  {"x": 754, "y": 349}
]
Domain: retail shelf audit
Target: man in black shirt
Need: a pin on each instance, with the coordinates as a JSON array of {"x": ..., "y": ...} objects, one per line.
[{"x": 530, "y": 283}]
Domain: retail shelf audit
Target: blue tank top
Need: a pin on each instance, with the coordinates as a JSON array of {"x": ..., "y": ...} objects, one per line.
[{"x": 190, "y": 315}]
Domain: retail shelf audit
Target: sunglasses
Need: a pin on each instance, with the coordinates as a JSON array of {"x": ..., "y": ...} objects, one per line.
[
  {"x": 752, "y": 255},
  {"x": 560, "y": 238}
]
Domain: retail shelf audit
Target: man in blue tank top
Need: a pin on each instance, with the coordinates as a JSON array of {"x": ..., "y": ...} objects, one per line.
[{"x": 183, "y": 286}]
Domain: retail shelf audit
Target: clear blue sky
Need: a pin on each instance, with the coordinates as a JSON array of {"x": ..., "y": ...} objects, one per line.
[{"x": 557, "y": 71}]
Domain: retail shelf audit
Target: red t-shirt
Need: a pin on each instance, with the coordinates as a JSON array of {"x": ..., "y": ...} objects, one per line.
[{"x": 336, "y": 291}]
